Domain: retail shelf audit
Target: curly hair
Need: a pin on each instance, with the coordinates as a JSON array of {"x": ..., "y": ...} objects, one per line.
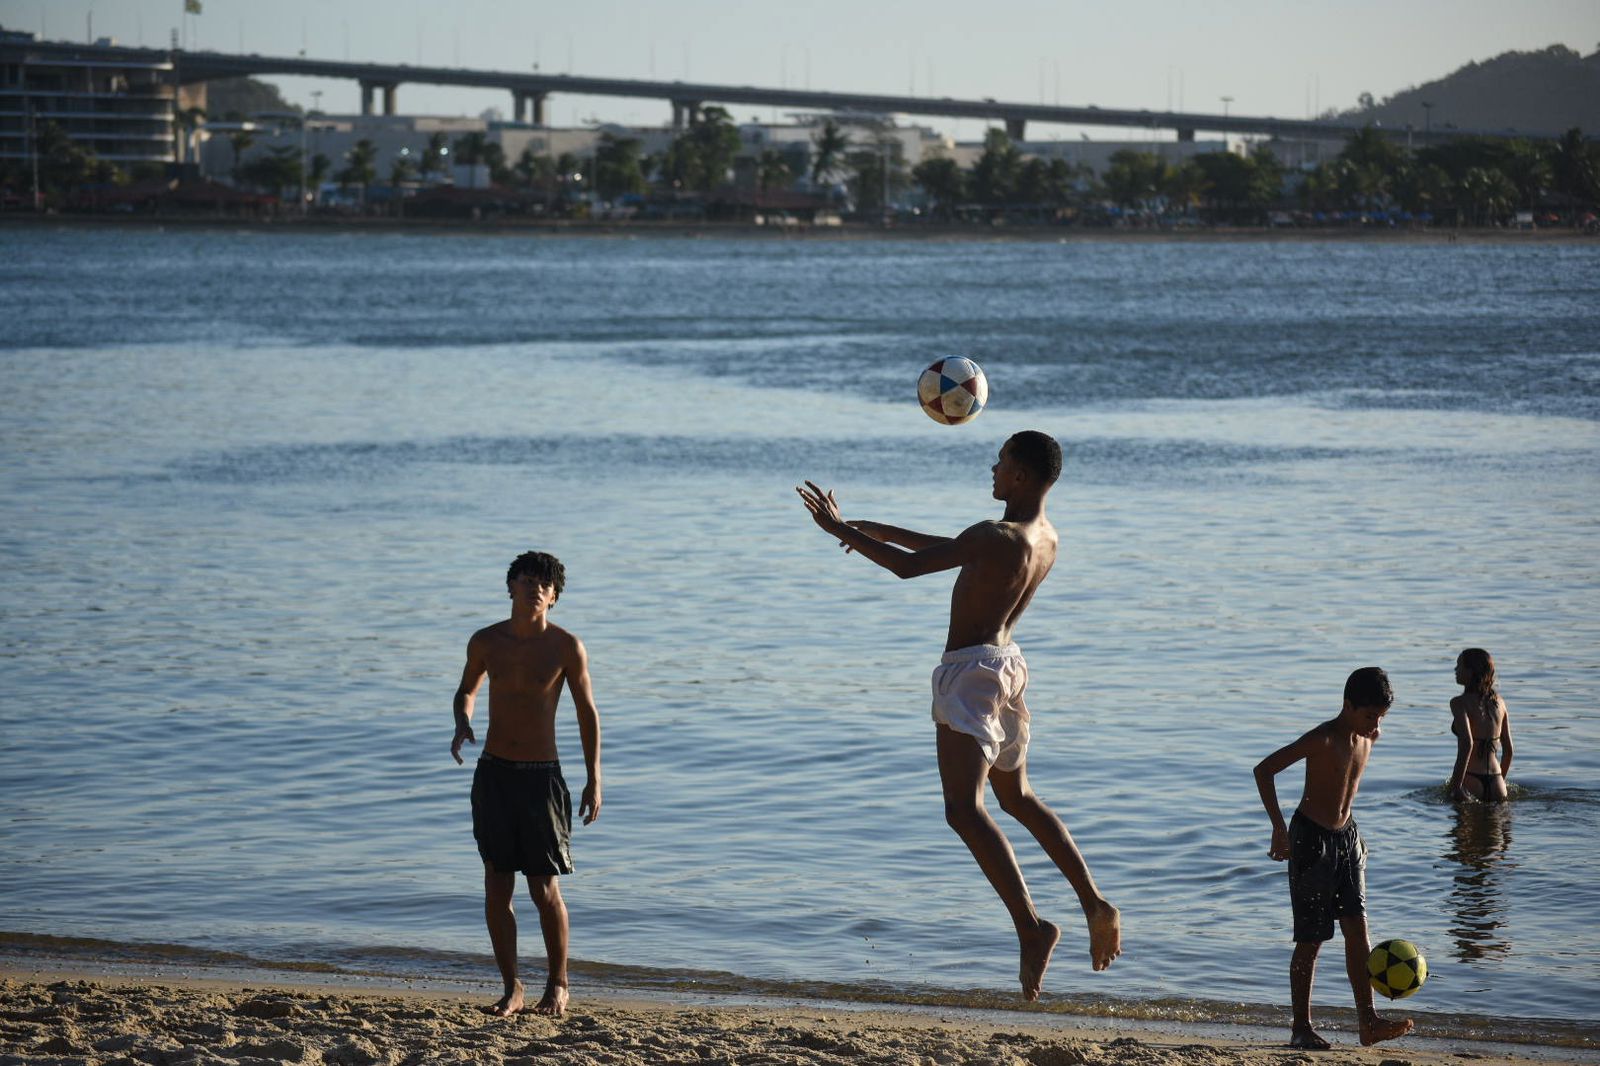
[{"x": 541, "y": 565}]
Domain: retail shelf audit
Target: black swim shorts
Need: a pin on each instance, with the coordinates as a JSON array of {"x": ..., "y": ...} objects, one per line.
[
  {"x": 522, "y": 816},
  {"x": 1327, "y": 876}
]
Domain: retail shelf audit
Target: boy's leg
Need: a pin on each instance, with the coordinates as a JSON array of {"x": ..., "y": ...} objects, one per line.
[
  {"x": 553, "y": 923},
  {"x": 1302, "y": 972},
  {"x": 1374, "y": 1027},
  {"x": 498, "y": 888},
  {"x": 1018, "y": 799},
  {"x": 963, "y": 769}
]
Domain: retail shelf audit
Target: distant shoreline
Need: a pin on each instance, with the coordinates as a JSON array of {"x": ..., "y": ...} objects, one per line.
[{"x": 746, "y": 230}]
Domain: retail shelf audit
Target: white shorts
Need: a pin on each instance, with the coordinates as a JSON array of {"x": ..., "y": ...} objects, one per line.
[{"x": 978, "y": 691}]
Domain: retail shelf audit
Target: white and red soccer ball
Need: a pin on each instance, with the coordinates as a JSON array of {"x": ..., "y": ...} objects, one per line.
[{"x": 953, "y": 390}]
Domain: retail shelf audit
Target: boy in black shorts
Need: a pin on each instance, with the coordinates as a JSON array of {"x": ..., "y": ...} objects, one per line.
[
  {"x": 1327, "y": 857},
  {"x": 521, "y": 810}
]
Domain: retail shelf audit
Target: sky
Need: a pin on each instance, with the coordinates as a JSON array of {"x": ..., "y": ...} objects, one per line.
[{"x": 1286, "y": 58}]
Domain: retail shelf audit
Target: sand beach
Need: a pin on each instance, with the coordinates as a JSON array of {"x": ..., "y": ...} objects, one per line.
[{"x": 51, "y": 1019}]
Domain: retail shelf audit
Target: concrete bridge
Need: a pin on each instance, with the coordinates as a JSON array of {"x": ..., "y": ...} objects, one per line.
[{"x": 530, "y": 91}]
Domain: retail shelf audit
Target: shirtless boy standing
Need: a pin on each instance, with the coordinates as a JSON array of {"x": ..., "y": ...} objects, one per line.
[
  {"x": 521, "y": 810},
  {"x": 1327, "y": 857},
  {"x": 982, "y": 721}
]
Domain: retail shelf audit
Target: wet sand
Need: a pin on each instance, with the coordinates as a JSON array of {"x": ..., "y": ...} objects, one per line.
[{"x": 123, "y": 1022}]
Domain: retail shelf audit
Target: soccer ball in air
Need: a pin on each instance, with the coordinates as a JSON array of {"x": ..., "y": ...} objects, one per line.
[
  {"x": 1397, "y": 968},
  {"x": 953, "y": 390}
]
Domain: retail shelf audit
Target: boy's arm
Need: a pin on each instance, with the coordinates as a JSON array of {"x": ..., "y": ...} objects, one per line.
[
  {"x": 577, "y": 671},
  {"x": 1268, "y": 769},
  {"x": 906, "y": 538},
  {"x": 946, "y": 554},
  {"x": 467, "y": 695},
  {"x": 1458, "y": 772}
]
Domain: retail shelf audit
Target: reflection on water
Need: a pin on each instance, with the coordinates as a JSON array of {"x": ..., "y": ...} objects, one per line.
[
  {"x": 1479, "y": 841},
  {"x": 271, "y": 483}
]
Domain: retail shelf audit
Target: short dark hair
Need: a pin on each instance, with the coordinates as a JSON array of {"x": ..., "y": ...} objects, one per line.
[
  {"x": 1368, "y": 687},
  {"x": 541, "y": 565},
  {"x": 1038, "y": 453}
]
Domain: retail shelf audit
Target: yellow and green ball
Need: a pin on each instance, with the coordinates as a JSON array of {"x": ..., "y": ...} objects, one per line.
[{"x": 1397, "y": 968}]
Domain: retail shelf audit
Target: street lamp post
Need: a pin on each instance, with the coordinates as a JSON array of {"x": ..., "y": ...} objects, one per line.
[
  {"x": 1226, "y": 100},
  {"x": 883, "y": 163},
  {"x": 1427, "y": 120}
]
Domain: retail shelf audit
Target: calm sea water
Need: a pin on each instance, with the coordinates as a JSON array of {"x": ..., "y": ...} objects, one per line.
[{"x": 258, "y": 489}]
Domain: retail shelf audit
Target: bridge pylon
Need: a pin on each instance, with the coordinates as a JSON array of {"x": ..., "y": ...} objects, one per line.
[{"x": 684, "y": 112}]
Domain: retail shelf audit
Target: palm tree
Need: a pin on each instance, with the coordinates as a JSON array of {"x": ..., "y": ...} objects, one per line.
[
  {"x": 1185, "y": 185},
  {"x": 535, "y": 171},
  {"x": 470, "y": 153},
  {"x": 1575, "y": 167},
  {"x": 241, "y": 140},
  {"x": 616, "y": 166},
  {"x": 772, "y": 171},
  {"x": 1134, "y": 177},
  {"x": 941, "y": 178},
  {"x": 494, "y": 157},
  {"x": 715, "y": 141},
  {"x": 401, "y": 171},
  {"x": 434, "y": 156},
  {"x": 829, "y": 147},
  {"x": 317, "y": 172},
  {"x": 360, "y": 167},
  {"x": 994, "y": 176}
]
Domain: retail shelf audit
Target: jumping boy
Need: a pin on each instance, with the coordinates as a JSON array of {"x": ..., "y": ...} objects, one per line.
[
  {"x": 521, "y": 810},
  {"x": 1327, "y": 857},
  {"x": 981, "y": 720}
]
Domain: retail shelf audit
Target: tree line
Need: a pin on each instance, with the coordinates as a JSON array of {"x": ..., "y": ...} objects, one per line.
[{"x": 1462, "y": 181}]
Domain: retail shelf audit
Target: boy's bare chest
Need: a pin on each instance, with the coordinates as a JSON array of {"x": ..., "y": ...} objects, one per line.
[{"x": 524, "y": 669}]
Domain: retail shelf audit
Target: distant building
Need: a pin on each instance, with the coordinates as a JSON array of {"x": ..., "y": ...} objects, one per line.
[
  {"x": 118, "y": 105},
  {"x": 1096, "y": 155},
  {"x": 395, "y": 135}
]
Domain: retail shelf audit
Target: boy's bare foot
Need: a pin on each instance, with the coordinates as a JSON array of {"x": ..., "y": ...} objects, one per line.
[
  {"x": 507, "y": 1004},
  {"x": 1105, "y": 935},
  {"x": 1378, "y": 1028},
  {"x": 1037, "y": 947},
  {"x": 554, "y": 1000},
  {"x": 1308, "y": 1039}
]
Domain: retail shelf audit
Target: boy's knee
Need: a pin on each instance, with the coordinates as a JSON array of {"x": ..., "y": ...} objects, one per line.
[
  {"x": 498, "y": 888},
  {"x": 546, "y": 892},
  {"x": 961, "y": 816},
  {"x": 1353, "y": 926},
  {"x": 1019, "y": 803}
]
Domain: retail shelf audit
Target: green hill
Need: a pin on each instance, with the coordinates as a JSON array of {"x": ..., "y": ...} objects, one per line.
[
  {"x": 231, "y": 98},
  {"x": 1548, "y": 91}
]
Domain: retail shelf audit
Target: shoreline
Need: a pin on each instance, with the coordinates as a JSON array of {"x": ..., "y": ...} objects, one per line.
[
  {"x": 52, "y": 1016},
  {"x": 55, "y": 1010},
  {"x": 933, "y": 232}
]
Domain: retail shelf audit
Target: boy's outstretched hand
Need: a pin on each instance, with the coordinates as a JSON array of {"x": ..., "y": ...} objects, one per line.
[{"x": 823, "y": 507}]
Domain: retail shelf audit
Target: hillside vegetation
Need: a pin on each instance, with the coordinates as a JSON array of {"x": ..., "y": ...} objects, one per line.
[{"x": 1548, "y": 91}]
